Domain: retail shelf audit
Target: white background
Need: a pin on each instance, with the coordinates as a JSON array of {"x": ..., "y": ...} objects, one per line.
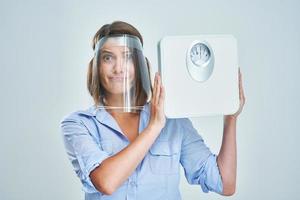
[{"x": 45, "y": 47}]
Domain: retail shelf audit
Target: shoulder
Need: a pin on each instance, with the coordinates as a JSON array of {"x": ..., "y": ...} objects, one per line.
[
  {"x": 175, "y": 127},
  {"x": 181, "y": 127},
  {"x": 79, "y": 115},
  {"x": 178, "y": 122},
  {"x": 78, "y": 122}
]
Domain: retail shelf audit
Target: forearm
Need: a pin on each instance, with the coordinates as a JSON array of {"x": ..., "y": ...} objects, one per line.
[
  {"x": 227, "y": 156},
  {"x": 116, "y": 169}
]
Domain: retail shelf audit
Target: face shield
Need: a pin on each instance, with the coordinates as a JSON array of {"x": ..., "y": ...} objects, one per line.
[{"x": 123, "y": 72}]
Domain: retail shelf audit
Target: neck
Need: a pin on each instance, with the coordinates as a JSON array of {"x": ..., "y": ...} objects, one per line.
[
  {"x": 118, "y": 101},
  {"x": 114, "y": 100}
]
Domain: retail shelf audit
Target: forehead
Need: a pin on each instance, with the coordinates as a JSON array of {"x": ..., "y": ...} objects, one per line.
[
  {"x": 114, "y": 46},
  {"x": 119, "y": 42}
]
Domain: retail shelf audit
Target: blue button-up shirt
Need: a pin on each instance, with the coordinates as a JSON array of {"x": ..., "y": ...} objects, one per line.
[{"x": 92, "y": 135}]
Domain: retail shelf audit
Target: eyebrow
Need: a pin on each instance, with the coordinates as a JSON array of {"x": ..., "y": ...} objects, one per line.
[{"x": 107, "y": 51}]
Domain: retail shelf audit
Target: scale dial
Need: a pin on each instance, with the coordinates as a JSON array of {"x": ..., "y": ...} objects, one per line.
[{"x": 200, "y": 54}]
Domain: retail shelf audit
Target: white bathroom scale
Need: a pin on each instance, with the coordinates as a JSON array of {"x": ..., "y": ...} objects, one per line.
[{"x": 200, "y": 75}]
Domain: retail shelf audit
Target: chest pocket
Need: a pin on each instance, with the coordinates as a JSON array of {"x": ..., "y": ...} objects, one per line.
[{"x": 164, "y": 158}]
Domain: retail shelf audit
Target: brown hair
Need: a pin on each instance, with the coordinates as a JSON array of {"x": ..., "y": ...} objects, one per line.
[{"x": 93, "y": 80}]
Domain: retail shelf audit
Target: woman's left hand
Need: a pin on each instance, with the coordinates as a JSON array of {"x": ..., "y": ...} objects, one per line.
[{"x": 242, "y": 99}]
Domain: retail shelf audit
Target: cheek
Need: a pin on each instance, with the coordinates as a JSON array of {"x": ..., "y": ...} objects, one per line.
[
  {"x": 132, "y": 71},
  {"x": 105, "y": 68},
  {"x": 103, "y": 72}
]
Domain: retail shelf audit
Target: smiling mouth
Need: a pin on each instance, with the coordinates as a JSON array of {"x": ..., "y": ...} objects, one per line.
[{"x": 117, "y": 78}]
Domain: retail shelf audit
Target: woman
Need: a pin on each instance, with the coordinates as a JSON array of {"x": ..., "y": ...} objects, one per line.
[{"x": 136, "y": 154}]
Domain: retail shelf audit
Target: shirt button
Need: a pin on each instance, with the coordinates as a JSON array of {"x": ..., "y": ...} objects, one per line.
[{"x": 133, "y": 183}]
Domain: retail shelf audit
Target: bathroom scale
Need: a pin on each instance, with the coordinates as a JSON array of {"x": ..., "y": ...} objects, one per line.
[{"x": 200, "y": 75}]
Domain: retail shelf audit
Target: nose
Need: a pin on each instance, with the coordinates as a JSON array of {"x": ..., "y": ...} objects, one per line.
[{"x": 119, "y": 65}]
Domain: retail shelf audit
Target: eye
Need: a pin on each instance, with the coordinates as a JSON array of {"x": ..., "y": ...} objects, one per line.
[
  {"x": 107, "y": 58},
  {"x": 128, "y": 56}
]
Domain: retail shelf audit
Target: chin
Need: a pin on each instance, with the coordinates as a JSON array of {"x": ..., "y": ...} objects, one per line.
[{"x": 116, "y": 90}]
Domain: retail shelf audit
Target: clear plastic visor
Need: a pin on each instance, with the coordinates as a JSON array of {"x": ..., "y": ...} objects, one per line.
[{"x": 124, "y": 75}]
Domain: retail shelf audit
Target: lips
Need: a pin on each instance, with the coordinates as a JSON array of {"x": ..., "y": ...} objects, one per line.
[{"x": 117, "y": 78}]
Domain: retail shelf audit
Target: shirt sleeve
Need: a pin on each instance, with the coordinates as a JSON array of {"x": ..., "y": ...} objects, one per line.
[
  {"x": 199, "y": 163},
  {"x": 82, "y": 150}
]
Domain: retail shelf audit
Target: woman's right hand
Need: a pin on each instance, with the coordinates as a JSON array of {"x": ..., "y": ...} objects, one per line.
[{"x": 157, "y": 118}]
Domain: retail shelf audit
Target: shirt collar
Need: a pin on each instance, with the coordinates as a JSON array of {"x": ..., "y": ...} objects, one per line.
[
  {"x": 105, "y": 117},
  {"x": 101, "y": 114}
]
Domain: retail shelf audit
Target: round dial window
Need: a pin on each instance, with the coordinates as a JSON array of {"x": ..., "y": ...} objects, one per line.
[{"x": 200, "y": 54}]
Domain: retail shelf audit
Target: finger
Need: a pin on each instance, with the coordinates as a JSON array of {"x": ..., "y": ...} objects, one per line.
[
  {"x": 154, "y": 88},
  {"x": 240, "y": 85},
  {"x": 158, "y": 89},
  {"x": 162, "y": 96},
  {"x": 241, "y": 93},
  {"x": 242, "y": 88}
]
